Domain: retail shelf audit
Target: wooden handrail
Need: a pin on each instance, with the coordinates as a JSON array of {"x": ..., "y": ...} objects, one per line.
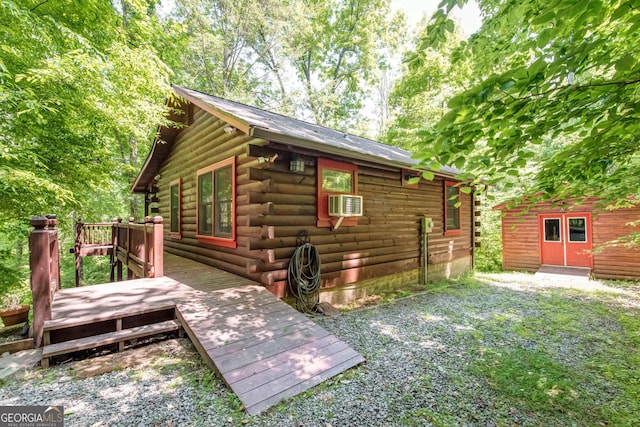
[
  {"x": 138, "y": 246},
  {"x": 141, "y": 252}
]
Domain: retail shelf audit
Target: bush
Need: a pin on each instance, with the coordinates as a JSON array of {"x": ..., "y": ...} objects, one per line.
[{"x": 488, "y": 257}]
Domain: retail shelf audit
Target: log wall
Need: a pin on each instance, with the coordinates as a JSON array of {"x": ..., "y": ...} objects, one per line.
[
  {"x": 521, "y": 244},
  {"x": 200, "y": 145},
  {"x": 275, "y": 208}
]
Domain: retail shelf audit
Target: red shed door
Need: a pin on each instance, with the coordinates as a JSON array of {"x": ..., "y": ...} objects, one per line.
[
  {"x": 565, "y": 239},
  {"x": 551, "y": 240},
  {"x": 578, "y": 236}
]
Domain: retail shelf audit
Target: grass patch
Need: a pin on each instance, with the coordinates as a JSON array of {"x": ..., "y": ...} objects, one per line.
[
  {"x": 544, "y": 386},
  {"x": 425, "y": 415},
  {"x": 456, "y": 287},
  {"x": 575, "y": 361}
]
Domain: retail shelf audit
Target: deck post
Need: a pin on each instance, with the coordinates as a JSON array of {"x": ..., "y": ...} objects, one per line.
[
  {"x": 115, "y": 250},
  {"x": 130, "y": 274},
  {"x": 76, "y": 251},
  {"x": 44, "y": 261},
  {"x": 147, "y": 257},
  {"x": 157, "y": 247}
]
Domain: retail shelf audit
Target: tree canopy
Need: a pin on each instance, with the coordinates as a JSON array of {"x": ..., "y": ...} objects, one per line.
[
  {"x": 314, "y": 60},
  {"x": 558, "y": 73},
  {"x": 80, "y": 85}
]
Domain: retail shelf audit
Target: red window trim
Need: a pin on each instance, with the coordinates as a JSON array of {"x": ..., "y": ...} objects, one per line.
[
  {"x": 457, "y": 231},
  {"x": 406, "y": 183},
  {"x": 324, "y": 220},
  {"x": 176, "y": 234},
  {"x": 211, "y": 240}
]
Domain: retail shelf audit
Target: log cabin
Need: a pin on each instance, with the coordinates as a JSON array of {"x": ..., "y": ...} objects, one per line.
[
  {"x": 243, "y": 188},
  {"x": 569, "y": 234}
]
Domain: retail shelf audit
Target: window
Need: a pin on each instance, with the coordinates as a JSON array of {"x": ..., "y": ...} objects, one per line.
[
  {"x": 552, "y": 230},
  {"x": 451, "y": 208},
  {"x": 410, "y": 178},
  {"x": 175, "y": 213},
  {"x": 216, "y": 204},
  {"x": 335, "y": 178},
  {"x": 577, "y": 229},
  {"x": 337, "y": 181}
]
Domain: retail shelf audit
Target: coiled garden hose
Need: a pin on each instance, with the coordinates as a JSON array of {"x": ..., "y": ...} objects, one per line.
[{"x": 303, "y": 276}]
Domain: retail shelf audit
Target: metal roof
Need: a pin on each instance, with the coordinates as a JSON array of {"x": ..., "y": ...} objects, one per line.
[{"x": 278, "y": 128}]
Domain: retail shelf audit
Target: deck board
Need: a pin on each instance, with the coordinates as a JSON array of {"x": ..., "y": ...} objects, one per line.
[
  {"x": 265, "y": 350},
  {"x": 302, "y": 354}
]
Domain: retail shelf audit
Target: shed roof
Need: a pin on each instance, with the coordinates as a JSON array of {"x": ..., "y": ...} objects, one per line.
[{"x": 278, "y": 128}]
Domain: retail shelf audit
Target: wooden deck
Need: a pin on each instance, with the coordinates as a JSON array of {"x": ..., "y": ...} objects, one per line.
[{"x": 264, "y": 349}]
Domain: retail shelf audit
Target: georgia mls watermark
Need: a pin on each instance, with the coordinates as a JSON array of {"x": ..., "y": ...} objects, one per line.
[{"x": 31, "y": 416}]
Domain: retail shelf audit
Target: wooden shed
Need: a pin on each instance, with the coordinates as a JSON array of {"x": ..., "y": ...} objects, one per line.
[
  {"x": 240, "y": 188},
  {"x": 569, "y": 234}
]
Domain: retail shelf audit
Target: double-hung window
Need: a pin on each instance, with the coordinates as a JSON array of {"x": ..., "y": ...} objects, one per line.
[
  {"x": 215, "y": 208},
  {"x": 451, "y": 208}
]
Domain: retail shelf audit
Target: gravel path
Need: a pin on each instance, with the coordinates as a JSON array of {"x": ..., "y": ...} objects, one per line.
[{"x": 419, "y": 351}]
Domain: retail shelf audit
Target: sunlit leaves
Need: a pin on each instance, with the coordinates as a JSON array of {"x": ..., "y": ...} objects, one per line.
[
  {"x": 79, "y": 86},
  {"x": 555, "y": 87}
]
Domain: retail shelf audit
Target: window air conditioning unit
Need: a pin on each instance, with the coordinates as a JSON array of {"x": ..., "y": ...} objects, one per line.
[{"x": 343, "y": 205}]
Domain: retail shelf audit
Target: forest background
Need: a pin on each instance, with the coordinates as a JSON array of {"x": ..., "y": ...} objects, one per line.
[{"x": 543, "y": 96}]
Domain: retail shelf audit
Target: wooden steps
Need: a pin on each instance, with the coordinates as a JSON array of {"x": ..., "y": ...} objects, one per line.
[
  {"x": 104, "y": 329},
  {"x": 109, "y": 338}
]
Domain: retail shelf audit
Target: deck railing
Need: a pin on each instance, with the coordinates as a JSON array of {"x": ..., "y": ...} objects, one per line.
[
  {"x": 44, "y": 260},
  {"x": 139, "y": 247},
  {"x": 91, "y": 239},
  {"x": 93, "y": 235}
]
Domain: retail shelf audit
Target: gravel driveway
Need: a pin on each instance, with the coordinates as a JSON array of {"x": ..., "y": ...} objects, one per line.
[{"x": 423, "y": 354}]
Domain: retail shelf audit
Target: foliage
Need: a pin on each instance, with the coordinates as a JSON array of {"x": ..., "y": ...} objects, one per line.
[
  {"x": 80, "y": 86},
  {"x": 313, "y": 59},
  {"x": 488, "y": 257},
  {"x": 344, "y": 43},
  {"x": 546, "y": 69},
  {"x": 76, "y": 91},
  {"x": 420, "y": 95}
]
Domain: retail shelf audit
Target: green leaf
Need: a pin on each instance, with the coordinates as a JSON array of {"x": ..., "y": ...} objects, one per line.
[
  {"x": 428, "y": 175},
  {"x": 544, "y": 37},
  {"x": 449, "y": 25},
  {"x": 544, "y": 18},
  {"x": 507, "y": 85},
  {"x": 626, "y": 63}
]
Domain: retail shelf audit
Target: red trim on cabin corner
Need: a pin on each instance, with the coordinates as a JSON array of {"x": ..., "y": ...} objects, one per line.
[
  {"x": 173, "y": 234},
  {"x": 322, "y": 204},
  {"x": 457, "y": 231},
  {"x": 212, "y": 240}
]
